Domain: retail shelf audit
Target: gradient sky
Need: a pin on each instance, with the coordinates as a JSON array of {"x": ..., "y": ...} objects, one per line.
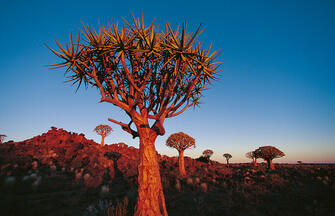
[{"x": 277, "y": 87}]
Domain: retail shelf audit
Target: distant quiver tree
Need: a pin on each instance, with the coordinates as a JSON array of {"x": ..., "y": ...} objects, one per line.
[
  {"x": 151, "y": 74},
  {"x": 103, "y": 131},
  {"x": 181, "y": 142},
  {"x": 207, "y": 153},
  {"x": 268, "y": 153},
  {"x": 2, "y": 137},
  {"x": 254, "y": 156},
  {"x": 228, "y": 157}
]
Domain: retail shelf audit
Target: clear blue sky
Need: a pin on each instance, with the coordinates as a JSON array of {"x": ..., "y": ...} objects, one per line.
[{"x": 277, "y": 86}]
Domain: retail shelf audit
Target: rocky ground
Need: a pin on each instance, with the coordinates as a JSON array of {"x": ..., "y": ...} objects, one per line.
[{"x": 63, "y": 173}]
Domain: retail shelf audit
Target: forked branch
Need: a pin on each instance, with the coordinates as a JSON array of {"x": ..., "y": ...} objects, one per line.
[{"x": 125, "y": 127}]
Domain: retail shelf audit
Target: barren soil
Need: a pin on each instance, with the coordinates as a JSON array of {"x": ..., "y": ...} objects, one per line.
[{"x": 63, "y": 173}]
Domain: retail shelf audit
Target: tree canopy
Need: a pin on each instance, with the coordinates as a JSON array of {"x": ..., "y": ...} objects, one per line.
[
  {"x": 269, "y": 152},
  {"x": 180, "y": 141},
  {"x": 142, "y": 69},
  {"x": 252, "y": 155},
  {"x": 227, "y": 156},
  {"x": 103, "y": 130},
  {"x": 151, "y": 74},
  {"x": 207, "y": 153}
]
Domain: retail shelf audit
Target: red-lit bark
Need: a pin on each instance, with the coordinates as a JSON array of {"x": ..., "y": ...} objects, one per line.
[
  {"x": 181, "y": 163},
  {"x": 268, "y": 153},
  {"x": 181, "y": 142},
  {"x": 151, "y": 199},
  {"x": 102, "y": 140},
  {"x": 270, "y": 164},
  {"x": 253, "y": 155},
  {"x": 103, "y": 131},
  {"x": 255, "y": 162},
  {"x": 150, "y": 74}
]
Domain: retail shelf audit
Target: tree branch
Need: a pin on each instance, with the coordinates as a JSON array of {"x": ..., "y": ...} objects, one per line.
[
  {"x": 158, "y": 127},
  {"x": 127, "y": 72},
  {"x": 172, "y": 114},
  {"x": 125, "y": 127}
]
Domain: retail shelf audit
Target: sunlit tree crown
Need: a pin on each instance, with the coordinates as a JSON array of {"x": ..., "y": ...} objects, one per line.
[
  {"x": 141, "y": 69},
  {"x": 269, "y": 152},
  {"x": 207, "y": 153},
  {"x": 180, "y": 141},
  {"x": 103, "y": 130}
]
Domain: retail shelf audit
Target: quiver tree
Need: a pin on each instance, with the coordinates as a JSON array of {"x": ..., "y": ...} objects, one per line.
[
  {"x": 254, "y": 156},
  {"x": 207, "y": 153},
  {"x": 149, "y": 73},
  {"x": 268, "y": 153},
  {"x": 181, "y": 141},
  {"x": 227, "y": 156},
  {"x": 103, "y": 131},
  {"x": 2, "y": 137}
]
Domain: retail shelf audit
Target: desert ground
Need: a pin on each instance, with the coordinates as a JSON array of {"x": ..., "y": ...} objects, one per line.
[{"x": 63, "y": 173}]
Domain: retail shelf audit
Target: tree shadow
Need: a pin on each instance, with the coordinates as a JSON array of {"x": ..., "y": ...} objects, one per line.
[{"x": 119, "y": 184}]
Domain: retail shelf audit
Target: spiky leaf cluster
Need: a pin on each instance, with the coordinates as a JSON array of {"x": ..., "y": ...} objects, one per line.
[
  {"x": 269, "y": 152},
  {"x": 141, "y": 69},
  {"x": 227, "y": 156},
  {"x": 103, "y": 130},
  {"x": 252, "y": 155},
  {"x": 207, "y": 153},
  {"x": 180, "y": 141}
]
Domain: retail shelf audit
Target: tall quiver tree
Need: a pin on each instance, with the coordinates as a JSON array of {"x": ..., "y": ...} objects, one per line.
[
  {"x": 2, "y": 138},
  {"x": 151, "y": 74},
  {"x": 227, "y": 156},
  {"x": 254, "y": 156},
  {"x": 181, "y": 142},
  {"x": 268, "y": 153},
  {"x": 103, "y": 131}
]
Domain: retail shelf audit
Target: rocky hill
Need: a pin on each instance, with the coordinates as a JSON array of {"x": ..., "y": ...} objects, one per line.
[
  {"x": 62, "y": 151},
  {"x": 63, "y": 173},
  {"x": 60, "y": 161}
]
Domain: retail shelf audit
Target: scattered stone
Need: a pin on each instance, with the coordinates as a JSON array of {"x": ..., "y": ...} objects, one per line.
[
  {"x": 197, "y": 180},
  {"x": 204, "y": 187},
  {"x": 189, "y": 181}
]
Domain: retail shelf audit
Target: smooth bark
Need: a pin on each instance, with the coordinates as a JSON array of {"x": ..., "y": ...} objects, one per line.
[
  {"x": 102, "y": 140},
  {"x": 270, "y": 165},
  {"x": 255, "y": 162},
  {"x": 182, "y": 171}
]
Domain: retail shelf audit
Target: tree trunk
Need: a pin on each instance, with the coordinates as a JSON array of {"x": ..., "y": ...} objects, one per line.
[
  {"x": 255, "y": 162},
  {"x": 182, "y": 171},
  {"x": 150, "y": 201},
  {"x": 270, "y": 165},
  {"x": 102, "y": 140},
  {"x": 227, "y": 162}
]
